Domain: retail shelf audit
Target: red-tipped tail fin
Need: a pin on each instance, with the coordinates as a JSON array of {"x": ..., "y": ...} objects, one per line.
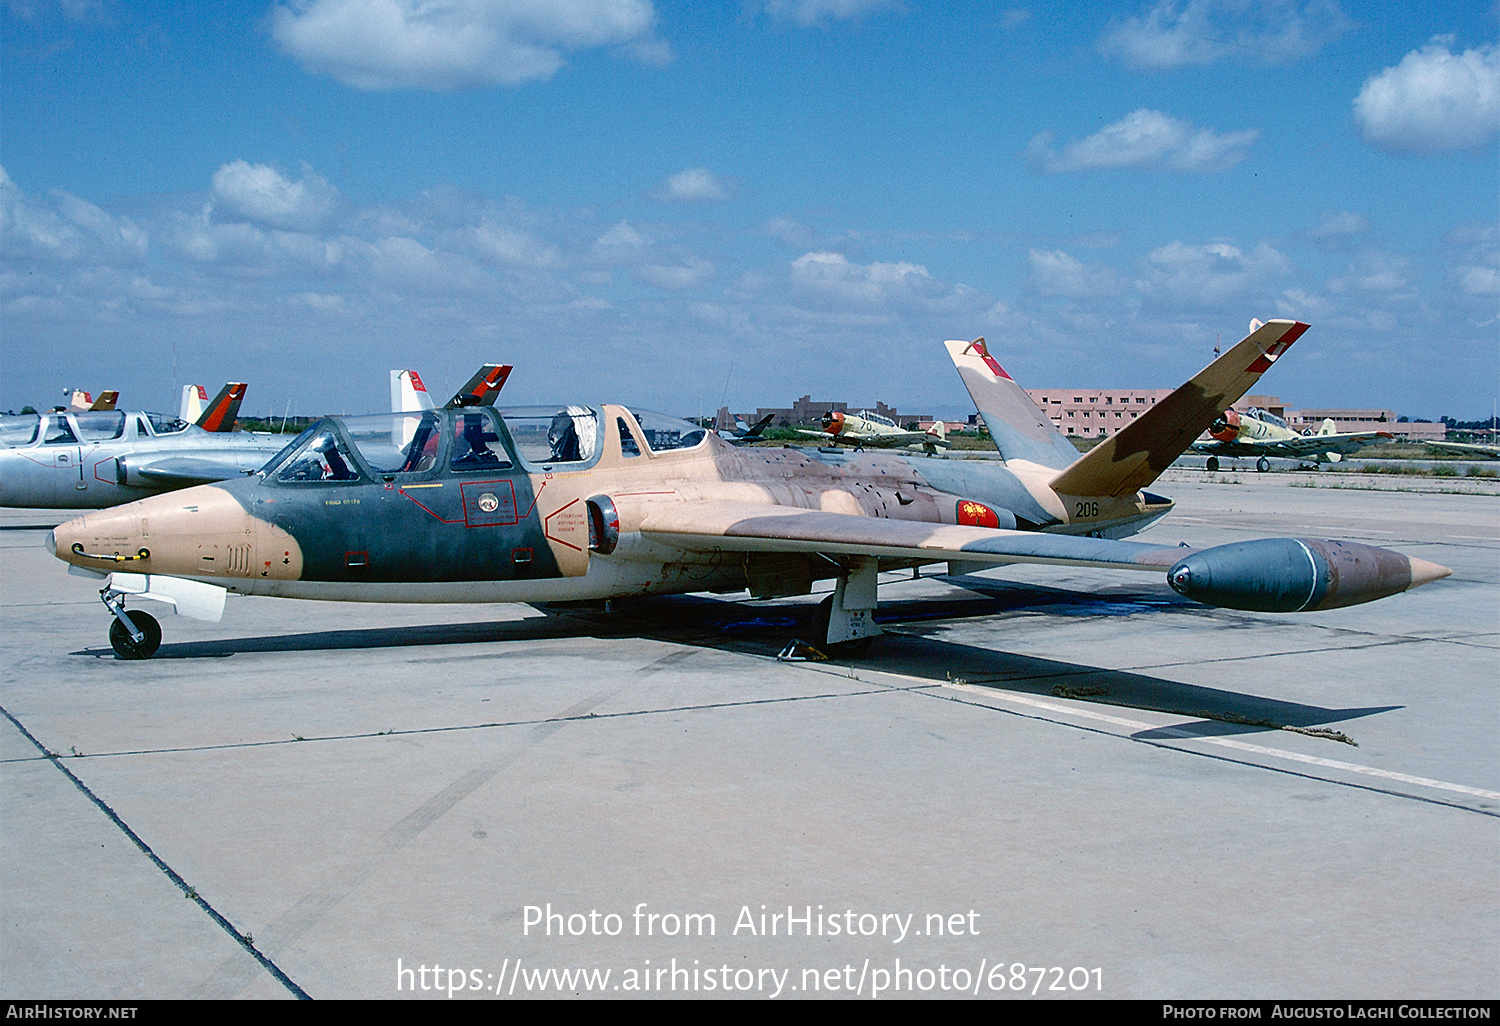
[
  {"x": 1020, "y": 430},
  {"x": 483, "y": 387},
  {"x": 408, "y": 394},
  {"x": 221, "y": 413}
]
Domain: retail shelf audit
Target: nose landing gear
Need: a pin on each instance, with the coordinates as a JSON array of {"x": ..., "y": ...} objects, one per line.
[{"x": 133, "y": 634}]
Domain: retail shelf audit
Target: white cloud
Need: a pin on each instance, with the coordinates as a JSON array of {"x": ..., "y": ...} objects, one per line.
[
  {"x": 1433, "y": 101},
  {"x": 259, "y": 194},
  {"x": 1336, "y": 226},
  {"x": 1145, "y": 139},
  {"x": 511, "y": 246},
  {"x": 1173, "y": 34},
  {"x": 693, "y": 185},
  {"x": 691, "y": 273},
  {"x": 407, "y": 264},
  {"x": 833, "y": 274},
  {"x": 814, "y": 12},
  {"x": 788, "y": 231},
  {"x": 1476, "y": 266},
  {"x": 395, "y": 44},
  {"x": 1378, "y": 273},
  {"x": 1055, "y": 273},
  {"x": 620, "y": 241},
  {"x": 1214, "y": 273},
  {"x": 69, "y": 229}
]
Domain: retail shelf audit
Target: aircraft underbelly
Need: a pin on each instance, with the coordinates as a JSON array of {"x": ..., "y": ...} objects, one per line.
[{"x": 605, "y": 579}]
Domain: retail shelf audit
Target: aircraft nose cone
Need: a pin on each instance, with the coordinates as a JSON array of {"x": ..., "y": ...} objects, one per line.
[{"x": 1423, "y": 572}]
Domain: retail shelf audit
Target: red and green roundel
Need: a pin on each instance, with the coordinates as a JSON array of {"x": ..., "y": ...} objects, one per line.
[{"x": 976, "y": 514}]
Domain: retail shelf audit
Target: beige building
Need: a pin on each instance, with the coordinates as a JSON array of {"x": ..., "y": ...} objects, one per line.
[{"x": 1090, "y": 413}]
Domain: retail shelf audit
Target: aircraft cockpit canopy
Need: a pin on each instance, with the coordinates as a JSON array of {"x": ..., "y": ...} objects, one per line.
[
  {"x": 18, "y": 429},
  {"x": 470, "y": 439},
  {"x": 1267, "y": 416}
]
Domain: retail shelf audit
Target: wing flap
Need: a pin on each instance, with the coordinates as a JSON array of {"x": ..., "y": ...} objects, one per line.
[{"x": 738, "y": 527}]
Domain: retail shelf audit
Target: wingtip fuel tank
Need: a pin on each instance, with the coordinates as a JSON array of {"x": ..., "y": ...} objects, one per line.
[{"x": 1292, "y": 575}]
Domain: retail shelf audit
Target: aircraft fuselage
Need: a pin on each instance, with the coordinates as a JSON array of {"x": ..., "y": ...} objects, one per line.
[{"x": 349, "y": 516}]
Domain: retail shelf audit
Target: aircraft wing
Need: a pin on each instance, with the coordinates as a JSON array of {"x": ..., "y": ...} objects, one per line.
[
  {"x": 1301, "y": 447},
  {"x": 741, "y": 527},
  {"x": 893, "y": 440},
  {"x": 1311, "y": 445},
  {"x": 1467, "y": 449},
  {"x": 187, "y": 470},
  {"x": 822, "y": 436},
  {"x": 1266, "y": 575}
]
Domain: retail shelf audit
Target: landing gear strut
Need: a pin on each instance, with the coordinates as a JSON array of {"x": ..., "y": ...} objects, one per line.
[
  {"x": 132, "y": 634},
  {"x": 837, "y": 649}
]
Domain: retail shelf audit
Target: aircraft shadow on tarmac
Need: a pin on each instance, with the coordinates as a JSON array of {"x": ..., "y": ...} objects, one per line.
[{"x": 763, "y": 629}]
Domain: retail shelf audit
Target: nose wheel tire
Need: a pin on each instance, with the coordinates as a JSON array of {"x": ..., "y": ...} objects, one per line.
[
  {"x": 1213, "y": 464},
  {"x": 1262, "y": 465},
  {"x": 125, "y": 648}
]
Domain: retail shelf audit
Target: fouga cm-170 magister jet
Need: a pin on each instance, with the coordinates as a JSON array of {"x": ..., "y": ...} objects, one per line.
[
  {"x": 556, "y": 504},
  {"x": 103, "y": 458}
]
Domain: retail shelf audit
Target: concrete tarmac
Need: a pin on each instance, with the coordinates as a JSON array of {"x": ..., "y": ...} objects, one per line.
[{"x": 1047, "y": 783}]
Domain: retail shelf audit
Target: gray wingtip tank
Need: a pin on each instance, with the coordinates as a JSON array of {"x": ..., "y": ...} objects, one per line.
[{"x": 1293, "y": 575}]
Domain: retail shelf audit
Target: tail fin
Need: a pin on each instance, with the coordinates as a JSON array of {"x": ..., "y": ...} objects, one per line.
[
  {"x": 754, "y": 430},
  {"x": 194, "y": 400},
  {"x": 1132, "y": 459},
  {"x": 106, "y": 400},
  {"x": 1020, "y": 430},
  {"x": 79, "y": 400},
  {"x": 481, "y": 389},
  {"x": 1329, "y": 427},
  {"x": 220, "y": 414},
  {"x": 408, "y": 394}
]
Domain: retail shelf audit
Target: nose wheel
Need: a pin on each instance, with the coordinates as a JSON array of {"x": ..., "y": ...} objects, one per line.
[
  {"x": 132, "y": 634},
  {"x": 140, "y": 640}
]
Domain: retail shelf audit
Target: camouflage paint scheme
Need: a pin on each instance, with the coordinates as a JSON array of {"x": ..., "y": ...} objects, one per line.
[{"x": 653, "y": 505}]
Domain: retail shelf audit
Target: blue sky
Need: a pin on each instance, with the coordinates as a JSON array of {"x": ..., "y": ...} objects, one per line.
[{"x": 682, "y": 204}]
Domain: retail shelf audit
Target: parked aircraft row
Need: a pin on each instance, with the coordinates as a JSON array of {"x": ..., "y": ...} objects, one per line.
[{"x": 468, "y": 503}]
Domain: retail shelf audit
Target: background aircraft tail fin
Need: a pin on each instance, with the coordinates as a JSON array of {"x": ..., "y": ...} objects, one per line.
[
  {"x": 79, "y": 400},
  {"x": 1020, "y": 430},
  {"x": 408, "y": 394},
  {"x": 194, "y": 400},
  {"x": 481, "y": 389},
  {"x": 220, "y": 414},
  {"x": 106, "y": 400},
  {"x": 1329, "y": 427},
  {"x": 1131, "y": 460}
]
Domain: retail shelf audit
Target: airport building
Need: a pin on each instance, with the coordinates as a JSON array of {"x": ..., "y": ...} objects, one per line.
[{"x": 1094, "y": 413}]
